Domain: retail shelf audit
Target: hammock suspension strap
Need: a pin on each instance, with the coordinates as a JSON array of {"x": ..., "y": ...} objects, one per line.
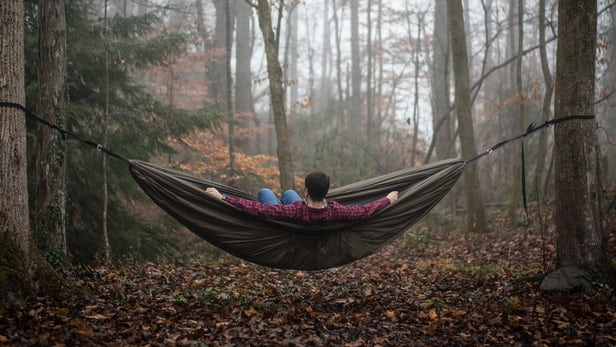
[
  {"x": 531, "y": 129},
  {"x": 63, "y": 132}
]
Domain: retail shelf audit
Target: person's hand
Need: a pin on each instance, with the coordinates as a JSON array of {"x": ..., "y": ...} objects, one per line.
[
  {"x": 393, "y": 196},
  {"x": 214, "y": 192}
]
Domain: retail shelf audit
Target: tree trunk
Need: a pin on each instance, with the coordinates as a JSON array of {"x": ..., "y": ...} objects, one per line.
[
  {"x": 217, "y": 77},
  {"x": 416, "y": 62},
  {"x": 243, "y": 76},
  {"x": 369, "y": 77},
  {"x": 22, "y": 270},
  {"x": 517, "y": 178},
  {"x": 581, "y": 238},
  {"x": 14, "y": 220},
  {"x": 466, "y": 9},
  {"x": 229, "y": 91},
  {"x": 311, "y": 77},
  {"x": 547, "y": 101},
  {"x": 440, "y": 82},
  {"x": 356, "y": 112},
  {"x": 508, "y": 124},
  {"x": 291, "y": 57},
  {"x": 378, "y": 97},
  {"x": 609, "y": 81},
  {"x": 323, "y": 94},
  {"x": 50, "y": 193},
  {"x": 285, "y": 160},
  {"x": 474, "y": 199},
  {"x": 340, "y": 108},
  {"x": 200, "y": 22},
  {"x": 107, "y": 247}
]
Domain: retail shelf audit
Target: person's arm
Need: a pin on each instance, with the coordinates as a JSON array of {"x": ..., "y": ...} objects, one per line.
[
  {"x": 255, "y": 208},
  {"x": 360, "y": 212}
]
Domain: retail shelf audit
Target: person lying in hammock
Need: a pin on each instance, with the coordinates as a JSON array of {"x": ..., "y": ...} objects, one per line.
[{"x": 313, "y": 209}]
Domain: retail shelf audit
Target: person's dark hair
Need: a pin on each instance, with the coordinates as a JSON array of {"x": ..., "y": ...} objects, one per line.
[{"x": 317, "y": 184}]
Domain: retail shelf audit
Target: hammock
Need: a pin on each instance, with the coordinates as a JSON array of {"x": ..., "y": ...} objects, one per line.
[{"x": 288, "y": 245}]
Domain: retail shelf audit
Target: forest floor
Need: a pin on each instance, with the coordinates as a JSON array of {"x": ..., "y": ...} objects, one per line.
[{"x": 426, "y": 289}]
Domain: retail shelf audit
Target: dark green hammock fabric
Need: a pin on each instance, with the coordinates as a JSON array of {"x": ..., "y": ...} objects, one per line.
[{"x": 287, "y": 245}]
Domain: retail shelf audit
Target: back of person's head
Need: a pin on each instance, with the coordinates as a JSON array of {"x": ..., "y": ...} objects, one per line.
[{"x": 317, "y": 184}]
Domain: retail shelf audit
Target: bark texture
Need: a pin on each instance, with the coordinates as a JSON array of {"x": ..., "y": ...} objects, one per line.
[
  {"x": 13, "y": 185},
  {"x": 474, "y": 200},
  {"x": 581, "y": 239},
  {"x": 22, "y": 269},
  {"x": 274, "y": 71},
  {"x": 50, "y": 195}
]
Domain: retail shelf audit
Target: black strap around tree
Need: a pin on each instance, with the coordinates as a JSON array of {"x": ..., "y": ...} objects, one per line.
[
  {"x": 64, "y": 132},
  {"x": 531, "y": 129}
]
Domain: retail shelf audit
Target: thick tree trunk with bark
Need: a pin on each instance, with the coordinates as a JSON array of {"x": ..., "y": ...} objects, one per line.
[
  {"x": 581, "y": 237},
  {"x": 474, "y": 199},
  {"x": 50, "y": 194},
  {"x": 285, "y": 160},
  {"x": 22, "y": 269},
  {"x": 14, "y": 219}
]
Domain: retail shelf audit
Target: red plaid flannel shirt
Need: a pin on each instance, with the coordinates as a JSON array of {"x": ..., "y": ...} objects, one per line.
[{"x": 300, "y": 212}]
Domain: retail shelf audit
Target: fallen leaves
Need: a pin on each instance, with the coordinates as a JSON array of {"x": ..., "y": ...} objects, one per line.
[{"x": 455, "y": 289}]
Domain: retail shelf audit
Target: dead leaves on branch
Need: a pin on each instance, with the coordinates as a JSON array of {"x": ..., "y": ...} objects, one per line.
[{"x": 450, "y": 289}]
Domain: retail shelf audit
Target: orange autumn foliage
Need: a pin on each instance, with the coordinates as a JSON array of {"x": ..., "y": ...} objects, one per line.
[{"x": 211, "y": 150}]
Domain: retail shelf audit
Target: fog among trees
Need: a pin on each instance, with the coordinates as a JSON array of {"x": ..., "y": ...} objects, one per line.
[{"x": 364, "y": 106}]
